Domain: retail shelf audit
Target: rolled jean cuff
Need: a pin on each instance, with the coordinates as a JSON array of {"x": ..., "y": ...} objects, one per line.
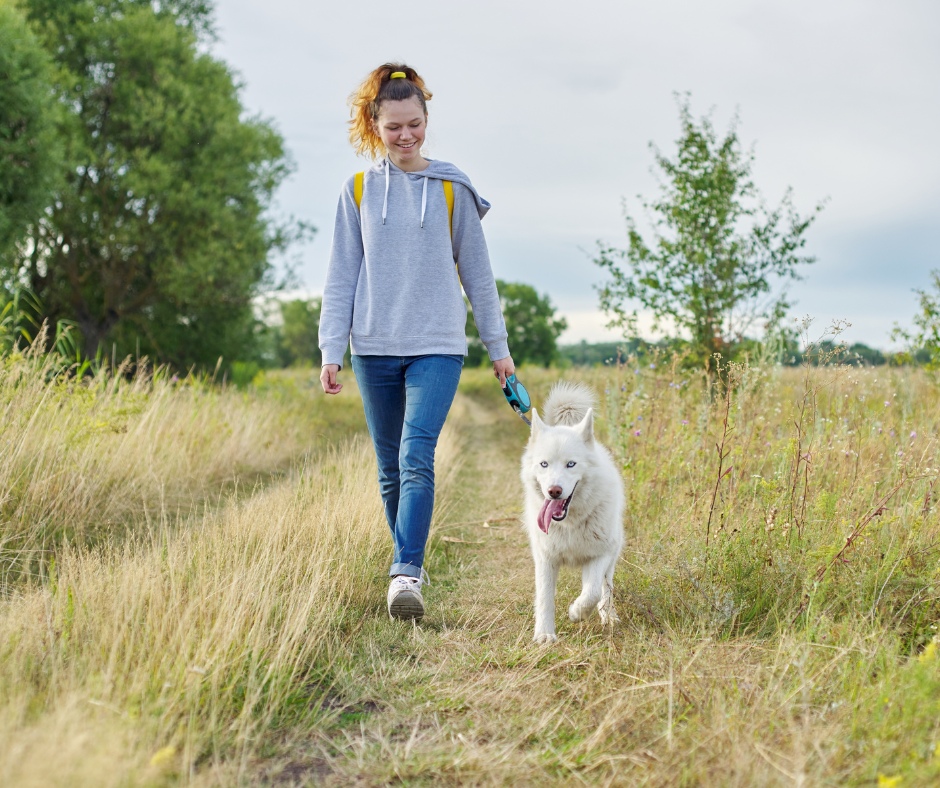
[{"x": 405, "y": 569}]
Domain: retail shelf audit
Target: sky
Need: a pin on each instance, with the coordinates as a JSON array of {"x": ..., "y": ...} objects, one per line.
[{"x": 550, "y": 107}]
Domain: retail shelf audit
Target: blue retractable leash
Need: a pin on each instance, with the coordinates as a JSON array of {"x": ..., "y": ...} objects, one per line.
[{"x": 518, "y": 397}]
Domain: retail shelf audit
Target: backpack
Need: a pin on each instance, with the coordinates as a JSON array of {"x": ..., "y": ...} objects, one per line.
[{"x": 448, "y": 195}]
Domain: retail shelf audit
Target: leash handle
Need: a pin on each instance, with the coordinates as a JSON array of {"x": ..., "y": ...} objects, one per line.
[{"x": 517, "y": 397}]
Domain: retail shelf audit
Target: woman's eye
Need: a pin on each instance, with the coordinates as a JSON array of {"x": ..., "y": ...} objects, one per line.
[
  {"x": 544, "y": 464},
  {"x": 572, "y": 464}
]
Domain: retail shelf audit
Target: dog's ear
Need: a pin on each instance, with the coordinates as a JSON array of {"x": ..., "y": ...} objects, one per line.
[
  {"x": 536, "y": 425},
  {"x": 585, "y": 427}
]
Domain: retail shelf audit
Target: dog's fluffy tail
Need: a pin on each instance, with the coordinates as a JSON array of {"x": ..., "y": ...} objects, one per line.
[{"x": 567, "y": 403}]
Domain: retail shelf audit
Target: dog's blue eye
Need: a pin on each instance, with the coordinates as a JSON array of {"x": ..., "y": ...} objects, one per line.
[
  {"x": 572, "y": 464},
  {"x": 544, "y": 464}
]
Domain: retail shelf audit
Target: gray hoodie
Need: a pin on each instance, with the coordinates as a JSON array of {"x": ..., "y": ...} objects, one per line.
[{"x": 391, "y": 287}]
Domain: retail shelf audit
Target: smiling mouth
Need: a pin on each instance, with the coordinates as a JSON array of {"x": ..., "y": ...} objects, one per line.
[
  {"x": 554, "y": 509},
  {"x": 406, "y": 147}
]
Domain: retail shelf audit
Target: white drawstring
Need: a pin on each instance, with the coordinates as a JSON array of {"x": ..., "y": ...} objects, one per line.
[
  {"x": 424, "y": 199},
  {"x": 385, "y": 205}
]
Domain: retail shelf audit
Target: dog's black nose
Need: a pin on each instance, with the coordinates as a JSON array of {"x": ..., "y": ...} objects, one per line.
[{"x": 555, "y": 492}]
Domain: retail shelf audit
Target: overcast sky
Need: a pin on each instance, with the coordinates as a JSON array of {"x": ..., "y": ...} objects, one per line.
[{"x": 549, "y": 108}]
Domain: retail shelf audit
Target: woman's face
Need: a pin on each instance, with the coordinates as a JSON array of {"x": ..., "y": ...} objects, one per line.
[{"x": 402, "y": 126}]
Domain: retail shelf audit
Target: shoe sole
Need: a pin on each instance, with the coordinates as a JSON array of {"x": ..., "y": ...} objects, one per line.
[{"x": 406, "y": 607}]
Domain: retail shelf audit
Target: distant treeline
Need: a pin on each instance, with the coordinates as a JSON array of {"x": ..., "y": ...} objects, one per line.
[
  {"x": 586, "y": 354},
  {"x": 591, "y": 355}
]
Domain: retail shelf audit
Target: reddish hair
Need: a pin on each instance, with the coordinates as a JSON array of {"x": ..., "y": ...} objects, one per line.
[{"x": 366, "y": 100}]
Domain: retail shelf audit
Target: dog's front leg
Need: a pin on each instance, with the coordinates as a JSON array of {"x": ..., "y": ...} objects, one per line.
[
  {"x": 546, "y": 579},
  {"x": 592, "y": 585}
]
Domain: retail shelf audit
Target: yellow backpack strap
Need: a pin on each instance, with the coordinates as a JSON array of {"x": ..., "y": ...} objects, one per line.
[
  {"x": 449, "y": 196},
  {"x": 357, "y": 189}
]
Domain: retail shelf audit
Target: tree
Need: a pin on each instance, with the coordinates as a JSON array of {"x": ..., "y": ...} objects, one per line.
[
  {"x": 28, "y": 143},
  {"x": 715, "y": 248},
  {"x": 530, "y": 322},
  {"x": 924, "y": 340},
  {"x": 159, "y": 238},
  {"x": 298, "y": 338}
]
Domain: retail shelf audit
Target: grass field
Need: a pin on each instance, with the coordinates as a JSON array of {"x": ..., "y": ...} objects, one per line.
[{"x": 193, "y": 589}]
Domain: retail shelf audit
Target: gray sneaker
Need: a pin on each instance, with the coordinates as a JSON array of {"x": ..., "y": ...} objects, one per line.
[{"x": 404, "y": 597}]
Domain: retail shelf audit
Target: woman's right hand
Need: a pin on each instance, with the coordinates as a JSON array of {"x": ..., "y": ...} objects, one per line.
[{"x": 328, "y": 379}]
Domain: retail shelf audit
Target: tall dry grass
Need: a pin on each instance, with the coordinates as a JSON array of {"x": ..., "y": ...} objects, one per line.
[
  {"x": 179, "y": 646},
  {"x": 202, "y": 637},
  {"x": 82, "y": 459},
  {"x": 778, "y": 592}
]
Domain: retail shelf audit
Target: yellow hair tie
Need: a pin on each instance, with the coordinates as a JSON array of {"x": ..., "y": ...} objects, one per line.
[{"x": 398, "y": 75}]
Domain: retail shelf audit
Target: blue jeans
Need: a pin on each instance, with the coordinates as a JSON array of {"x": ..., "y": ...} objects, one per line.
[{"x": 406, "y": 399}]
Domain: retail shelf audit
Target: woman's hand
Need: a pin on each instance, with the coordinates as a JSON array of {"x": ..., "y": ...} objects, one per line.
[
  {"x": 503, "y": 368},
  {"x": 328, "y": 379}
]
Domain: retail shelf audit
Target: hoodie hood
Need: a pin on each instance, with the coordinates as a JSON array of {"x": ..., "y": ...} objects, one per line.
[{"x": 438, "y": 170}]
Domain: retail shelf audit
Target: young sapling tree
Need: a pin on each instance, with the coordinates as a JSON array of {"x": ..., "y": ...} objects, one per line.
[{"x": 708, "y": 271}]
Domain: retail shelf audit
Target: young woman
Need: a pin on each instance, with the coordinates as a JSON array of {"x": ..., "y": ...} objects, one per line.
[{"x": 393, "y": 292}]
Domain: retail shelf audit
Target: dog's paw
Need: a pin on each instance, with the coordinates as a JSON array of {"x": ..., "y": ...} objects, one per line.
[
  {"x": 578, "y": 611},
  {"x": 609, "y": 616},
  {"x": 545, "y": 637}
]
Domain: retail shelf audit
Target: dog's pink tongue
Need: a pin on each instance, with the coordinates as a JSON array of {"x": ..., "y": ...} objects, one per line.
[{"x": 551, "y": 507}]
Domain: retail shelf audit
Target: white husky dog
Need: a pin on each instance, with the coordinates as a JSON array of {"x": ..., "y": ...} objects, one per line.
[{"x": 573, "y": 507}]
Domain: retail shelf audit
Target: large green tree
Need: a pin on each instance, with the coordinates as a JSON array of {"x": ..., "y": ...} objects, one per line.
[
  {"x": 530, "y": 322},
  {"x": 159, "y": 238},
  {"x": 28, "y": 142},
  {"x": 716, "y": 251}
]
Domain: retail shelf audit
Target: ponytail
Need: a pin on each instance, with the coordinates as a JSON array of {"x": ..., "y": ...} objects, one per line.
[{"x": 366, "y": 100}]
